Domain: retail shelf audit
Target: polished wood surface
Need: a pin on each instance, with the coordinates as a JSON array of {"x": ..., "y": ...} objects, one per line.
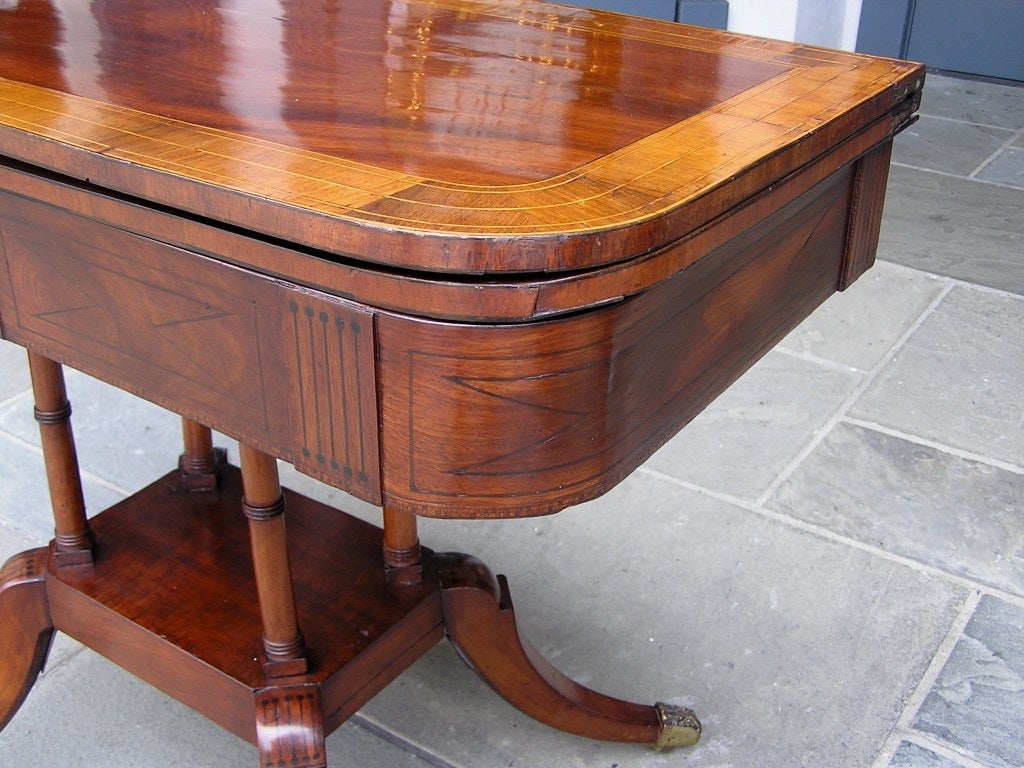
[
  {"x": 427, "y": 417},
  {"x": 441, "y": 136},
  {"x": 199, "y": 459},
  {"x": 716, "y": 214},
  {"x": 53, "y": 412},
  {"x": 480, "y": 621},
  {"x": 513, "y": 420},
  {"x": 25, "y": 628},
  {"x": 459, "y": 259},
  {"x": 193, "y": 634},
  {"x": 173, "y": 600},
  {"x": 264, "y": 506}
]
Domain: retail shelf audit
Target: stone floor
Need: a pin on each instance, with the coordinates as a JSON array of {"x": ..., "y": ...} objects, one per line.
[{"x": 828, "y": 564}]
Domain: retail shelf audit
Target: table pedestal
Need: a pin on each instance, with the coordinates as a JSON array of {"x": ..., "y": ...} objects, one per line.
[{"x": 169, "y": 596}]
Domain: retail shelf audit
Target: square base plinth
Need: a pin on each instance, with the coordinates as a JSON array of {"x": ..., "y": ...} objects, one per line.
[{"x": 171, "y": 598}]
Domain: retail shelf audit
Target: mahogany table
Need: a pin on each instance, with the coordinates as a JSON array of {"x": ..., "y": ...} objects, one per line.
[{"x": 457, "y": 258}]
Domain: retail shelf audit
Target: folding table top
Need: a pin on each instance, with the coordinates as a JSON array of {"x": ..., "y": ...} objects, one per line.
[{"x": 448, "y": 136}]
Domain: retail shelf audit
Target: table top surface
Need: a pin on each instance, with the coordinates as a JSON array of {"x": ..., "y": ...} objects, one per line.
[{"x": 442, "y": 135}]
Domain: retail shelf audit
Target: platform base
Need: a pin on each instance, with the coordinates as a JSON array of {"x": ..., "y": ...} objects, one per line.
[{"x": 170, "y": 598}]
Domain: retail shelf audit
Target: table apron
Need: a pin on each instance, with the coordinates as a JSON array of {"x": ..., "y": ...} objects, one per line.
[
  {"x": 438, "y": 418},
  {"x": 288, "y": 370},
  {"x": 515, "y": 420}
]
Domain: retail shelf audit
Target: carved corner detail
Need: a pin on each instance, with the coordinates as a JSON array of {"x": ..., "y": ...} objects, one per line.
[{"x": 289, "y": 727}]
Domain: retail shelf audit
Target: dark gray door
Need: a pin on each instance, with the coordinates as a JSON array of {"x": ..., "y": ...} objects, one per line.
[{"x": 979, "y": 37}]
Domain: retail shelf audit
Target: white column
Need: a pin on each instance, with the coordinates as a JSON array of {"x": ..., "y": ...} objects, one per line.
[{"x": 831, "y": 23}]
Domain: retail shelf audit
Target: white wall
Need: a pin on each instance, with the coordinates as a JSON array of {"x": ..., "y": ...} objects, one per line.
[
  {"x": 767, "y": 18},
  {"x": 832, "y": 23},
  {"x": 851, "y": 24}
]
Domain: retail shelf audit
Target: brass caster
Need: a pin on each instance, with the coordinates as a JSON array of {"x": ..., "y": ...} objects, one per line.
[{"x": 679, "y": 727}]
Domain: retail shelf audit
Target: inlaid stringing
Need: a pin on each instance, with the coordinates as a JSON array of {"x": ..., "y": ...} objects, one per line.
[{"x": 785, "y": 95}]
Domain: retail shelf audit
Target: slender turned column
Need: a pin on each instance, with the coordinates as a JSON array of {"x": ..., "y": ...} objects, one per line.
[
  {"x": 198, "y": 463},
  {"x": 401, "y": 547},
  {"x": 198, "y": 455},
  {"x": 53, "y": 412},
  {"x": 264, "y": 506}
]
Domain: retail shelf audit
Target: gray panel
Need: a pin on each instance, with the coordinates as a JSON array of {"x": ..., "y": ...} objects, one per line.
[
  {"x": 655, "y": 9},
  {"x": 882, "y": 27},
  {"x": 705, "y": 13},
  {"x": 981, "y": 37}
]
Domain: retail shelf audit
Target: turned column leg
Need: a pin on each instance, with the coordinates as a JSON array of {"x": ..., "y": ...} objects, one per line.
[
  {"x": 264, "y": 507},
  {"x": 402, "y": 547},
  {"x": 198, "y": 462},
  {"x": 53, "y": 412}
]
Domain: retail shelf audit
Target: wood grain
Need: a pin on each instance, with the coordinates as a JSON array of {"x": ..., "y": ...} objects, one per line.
[
  {"x": 25, "y": 628},
  {"x": 514, "y": 420},
  {"x": 480, "y": 621},
  {"x": 290, "y": 371},
  {"x": 53, "y": 413},
  {"x": 865, "y": 214},
  {"x": 459, "y": 258},
  {"x": 275, "y": 262},
  {"x": 432, "y": 161},
  {"x": 173, "y": 600}
]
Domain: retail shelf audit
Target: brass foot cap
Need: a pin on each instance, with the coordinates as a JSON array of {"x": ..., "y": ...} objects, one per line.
[{"x": 679, "y": 727}]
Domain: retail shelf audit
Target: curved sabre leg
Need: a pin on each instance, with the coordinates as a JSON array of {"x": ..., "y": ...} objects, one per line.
[
  {"x": 480, "y": 622},
  {"x": 25, "y": 628}
]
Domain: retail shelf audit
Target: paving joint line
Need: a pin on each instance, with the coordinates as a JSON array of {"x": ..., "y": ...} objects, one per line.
[
  {"x": 85, "y": 474},
  {"x": 822, "y": 432},
  {"x": 967, "y": 122},
  {"x": 966, "y": 583},
  {"x": 15, "y": 398},
  {"x": 999, "y": 184},
  {"x": 944, "y": 447},
  {"x": 953, "y": 279},
  {"x": 810, "y": 357},
  {"x": 927, "y": 682},
  {"x": 382, "y": 732},
  {"x": 65, "y": 659},
  {"x": 943, "y": 749},
  {"x": 973, "y": 175}
]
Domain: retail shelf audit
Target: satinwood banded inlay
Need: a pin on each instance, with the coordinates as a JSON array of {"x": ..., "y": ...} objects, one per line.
[{"x": 442, "y": 135}]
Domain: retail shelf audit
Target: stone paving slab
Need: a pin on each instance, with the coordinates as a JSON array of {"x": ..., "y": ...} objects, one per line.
[
  {"x": 13, "y": 370},
  {"x": 949, "y": 146},
  {"x": 859, "y": 326},
  {"x": 951, "y": 513},
  {"x": 87, "y": 712},
  {"x": 13, "y": 541},
  {"x": 958, "y": 379},
  {"x": 977, "y": 702},
  {"x": 973, "y": 101},
  {"x": 1006, "y": 168},
  {"x": 25, "y": 497},
  {"x": 956, "y": 227},
  {"x": 756, "y": 423},
  {"x": 910, "y": 755},
  {"x": 794, "y": 650}
]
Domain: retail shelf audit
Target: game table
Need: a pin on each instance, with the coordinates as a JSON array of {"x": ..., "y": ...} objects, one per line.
[{"x": 459, "y": 259}]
